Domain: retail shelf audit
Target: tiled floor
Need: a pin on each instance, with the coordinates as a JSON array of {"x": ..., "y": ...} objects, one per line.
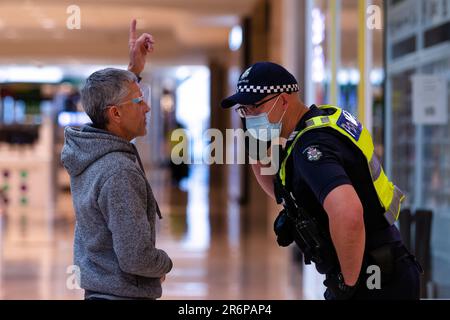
[{"x": 213, "y": 257}]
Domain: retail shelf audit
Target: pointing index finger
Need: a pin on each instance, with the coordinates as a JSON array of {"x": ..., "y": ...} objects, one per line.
[{"x": 133, "y": 30}]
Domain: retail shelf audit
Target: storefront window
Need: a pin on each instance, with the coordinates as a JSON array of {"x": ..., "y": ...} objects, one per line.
[{"x": 419, "y": 149}]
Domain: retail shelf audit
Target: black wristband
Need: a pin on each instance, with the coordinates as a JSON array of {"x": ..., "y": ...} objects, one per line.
[{"x": 139, "y": 78}]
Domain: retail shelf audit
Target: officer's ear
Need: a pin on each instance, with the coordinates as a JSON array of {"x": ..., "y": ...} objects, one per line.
[{"x": 285, "y": 100}]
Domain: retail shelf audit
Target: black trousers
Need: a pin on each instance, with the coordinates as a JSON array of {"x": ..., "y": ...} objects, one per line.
[{"x": 403, "y": 285}]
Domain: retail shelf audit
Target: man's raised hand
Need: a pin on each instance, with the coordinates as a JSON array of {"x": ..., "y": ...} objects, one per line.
[{"x": 138, "y": 49}]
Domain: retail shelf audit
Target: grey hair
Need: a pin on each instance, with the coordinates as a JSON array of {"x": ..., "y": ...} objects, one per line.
[{"x": 104, "y": 88}]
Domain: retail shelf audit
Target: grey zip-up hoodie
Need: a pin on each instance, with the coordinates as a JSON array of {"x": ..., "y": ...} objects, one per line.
[{"x": 114, "y": 244}]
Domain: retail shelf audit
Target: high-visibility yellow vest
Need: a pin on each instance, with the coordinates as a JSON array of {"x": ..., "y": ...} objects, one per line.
[{"x": 389, "y": 195}]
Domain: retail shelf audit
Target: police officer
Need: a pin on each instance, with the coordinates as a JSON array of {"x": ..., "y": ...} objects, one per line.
[{"x": 339, "y": 206}]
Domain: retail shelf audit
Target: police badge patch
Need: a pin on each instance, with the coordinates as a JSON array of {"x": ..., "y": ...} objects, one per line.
[
  {"x": 350, "y": 124},
  {"x": 246, "y": 73},
  {"x": 244, "y": 76},
  {"x": 313, "y": 153}
]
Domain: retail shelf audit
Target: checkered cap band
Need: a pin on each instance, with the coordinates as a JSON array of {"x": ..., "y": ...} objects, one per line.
[{"x": 268, "y": 89}]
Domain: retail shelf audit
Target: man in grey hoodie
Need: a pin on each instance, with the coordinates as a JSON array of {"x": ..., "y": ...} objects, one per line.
[{"x": 114, "y": 244}]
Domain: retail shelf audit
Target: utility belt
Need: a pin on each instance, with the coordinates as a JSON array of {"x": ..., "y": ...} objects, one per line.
[
  {"x": 380, "y": 267},
  {"x": 294, "y": 224},
  {"x": 385, "y": 249}
]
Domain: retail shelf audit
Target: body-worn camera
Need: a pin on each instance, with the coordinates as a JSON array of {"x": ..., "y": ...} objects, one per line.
[{"x": 283, "y": 229}]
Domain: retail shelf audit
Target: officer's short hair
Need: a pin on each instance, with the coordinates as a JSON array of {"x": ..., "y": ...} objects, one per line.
[{"x": 104, "y": 88}]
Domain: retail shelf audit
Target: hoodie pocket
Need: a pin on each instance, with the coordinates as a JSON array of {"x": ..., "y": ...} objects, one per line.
[
  {"x": 145, "y": 283},
  {"x": 131, "y": 279}
]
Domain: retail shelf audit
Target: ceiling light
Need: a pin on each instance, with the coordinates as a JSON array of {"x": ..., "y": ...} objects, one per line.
[
  {"x": 31, "y": 74},
  {"x": 235, "y": 38}
]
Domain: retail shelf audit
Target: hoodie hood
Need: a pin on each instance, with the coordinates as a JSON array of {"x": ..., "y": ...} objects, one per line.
[{"x": 84, "y": 146}]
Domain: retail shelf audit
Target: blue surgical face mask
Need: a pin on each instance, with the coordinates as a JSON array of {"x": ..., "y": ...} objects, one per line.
[{"x": 261, "y": 128}]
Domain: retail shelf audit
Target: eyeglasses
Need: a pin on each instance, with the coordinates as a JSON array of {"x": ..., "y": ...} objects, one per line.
[
  {"x": 243, "y": 111},
  {"x": 145, "y": 95}
]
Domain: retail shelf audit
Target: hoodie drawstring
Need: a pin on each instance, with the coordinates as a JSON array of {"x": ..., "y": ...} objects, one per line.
[{"x": 158, "y": 211}]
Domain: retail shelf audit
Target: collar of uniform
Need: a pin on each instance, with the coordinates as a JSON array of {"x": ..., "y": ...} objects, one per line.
[{"x": 313, "y": 111}]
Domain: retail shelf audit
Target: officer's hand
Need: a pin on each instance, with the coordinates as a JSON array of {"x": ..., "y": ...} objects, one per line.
[
  {"x": 337, "y": 289},
  {"x": 162, "y": 279},
  {"x": 138, "y": 49}
]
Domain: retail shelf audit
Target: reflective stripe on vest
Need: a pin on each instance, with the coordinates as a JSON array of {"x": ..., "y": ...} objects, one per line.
[{"x": 389, "y": 195}]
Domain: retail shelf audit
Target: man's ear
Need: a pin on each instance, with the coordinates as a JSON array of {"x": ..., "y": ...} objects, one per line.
[
  {"x": 113, "y": 114},
  {"x": 285, "y": 100}
]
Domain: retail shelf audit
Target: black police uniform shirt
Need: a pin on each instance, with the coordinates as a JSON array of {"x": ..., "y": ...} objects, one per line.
[{"x": 325, "y": 159}]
